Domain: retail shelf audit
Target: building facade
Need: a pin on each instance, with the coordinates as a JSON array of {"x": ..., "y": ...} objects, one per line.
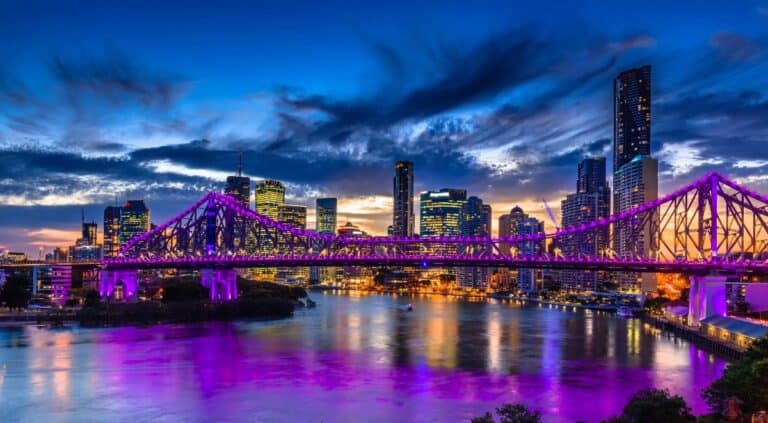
[
  {"x": 112, "y": 231},
  {"x": 326, "y": 212},
  {"x": 635, "y": 172},
  {"x": 474, "y": 220},
  {"x": 326, "y": 221},
  {"x": 590, "y": 202},
  {"x": 403, "y": 218},
  {"x": 269, "y": 195},
  {"x": 530, "y": 280},
  {"x": 440, "y": 212},
  {"x": 631, "y": 115},
  {"x": 134, "y": 220}
]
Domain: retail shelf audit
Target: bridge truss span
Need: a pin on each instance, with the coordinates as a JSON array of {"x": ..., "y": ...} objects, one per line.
[{"x": 710, "y": 225}]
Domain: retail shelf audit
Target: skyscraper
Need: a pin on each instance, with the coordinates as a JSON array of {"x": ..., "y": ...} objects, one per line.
[
  {"x": 325, "y": 219},
  {"x": 239, "y": 186},
  {"x": 269, "y": 195},
  {"x": 530, "y": 280},
  {"x": 590, "y": 202},
  {"x": 402, "y": 214},
  {"x": 440, "y": 210},
  {"x": 89, "y": 233},
  {"x": 635, "y": 173},
  {"x": 296, "y": 216},
  {"x": 508, "y": 226},
  {"x": 112, "y": 231},
  {"x": 134, "y": 220},
  {"x": 631, "y": 115},
  {"x": 474, "y": 220}
]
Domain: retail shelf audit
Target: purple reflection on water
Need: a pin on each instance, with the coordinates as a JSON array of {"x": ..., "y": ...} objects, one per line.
[{"x": 350, "y": 359}]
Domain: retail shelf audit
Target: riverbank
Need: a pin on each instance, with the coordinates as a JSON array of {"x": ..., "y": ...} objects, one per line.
[
  {"x": 150, "y": 312},
  {"x": 724, "y": 349}
]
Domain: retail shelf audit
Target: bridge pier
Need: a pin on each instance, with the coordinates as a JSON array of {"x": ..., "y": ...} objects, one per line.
[
  {"x": 706, "y": 298},
  {"x": 119, "y": 285},
  {"x": 221, "y": 282}
]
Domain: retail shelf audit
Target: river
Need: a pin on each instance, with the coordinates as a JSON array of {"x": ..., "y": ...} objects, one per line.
[{"x": 353, "y": 358}]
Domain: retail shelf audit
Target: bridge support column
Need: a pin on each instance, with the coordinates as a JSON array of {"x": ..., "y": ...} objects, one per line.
[
  {"x": 221, "y": 282},
  {"x": 119, "y": 285},
  {"x": 706, "y": 298}
]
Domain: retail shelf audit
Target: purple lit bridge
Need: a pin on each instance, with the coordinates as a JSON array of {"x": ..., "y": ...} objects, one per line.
[{"x": 710, "y": 227}]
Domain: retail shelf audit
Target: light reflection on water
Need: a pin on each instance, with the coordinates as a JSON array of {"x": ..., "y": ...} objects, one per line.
[{"x": 353, "y": 358}]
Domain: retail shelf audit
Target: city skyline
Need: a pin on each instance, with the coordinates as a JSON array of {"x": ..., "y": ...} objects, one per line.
[{"x": 507, "y": 143}]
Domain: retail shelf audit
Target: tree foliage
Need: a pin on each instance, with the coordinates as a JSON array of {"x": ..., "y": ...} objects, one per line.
[
  {"x": 657, "y": 405},
  {"x": 511, "y": 413},
  {"x": 15, "y": 292},
  {"x": 745, "y": 380},
  {"x": 185, "y": 291}
]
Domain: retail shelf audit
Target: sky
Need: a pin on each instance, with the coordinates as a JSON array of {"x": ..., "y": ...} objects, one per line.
[{"x": 106, "y": 101}]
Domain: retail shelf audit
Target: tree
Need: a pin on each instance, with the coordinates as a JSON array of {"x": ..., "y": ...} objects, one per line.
[
  {"x": 517, "y": 413},
  {"x": 744, "y": 380},
  {"x": 485, "y": 418},
  {"x": 655, "y": 405},
  {"x": 15, "y": 293},
  {"x": 185, "y": 291},
  {"x": 511, "y": 413},
  {"x": 91, "y": 299}
]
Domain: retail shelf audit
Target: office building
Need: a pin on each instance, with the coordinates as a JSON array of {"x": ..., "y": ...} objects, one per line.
[
  {"x": 325, "y": 215},
  {"x": 634, "y": 184},
  {"x": 326, "y": 210},
  {"x": 239, "y": 186},
  {"x": 508, "y": 226},
  {"x": 635, "y": 172},
  {"x": 112, "y": 231},
  {"x": 269, "y": 195},
  {"x": 530, "y": 280},
  {"x": 474, "y": 220},
  {"x": 134, "y": 220},
  {"x": 590, "y": 202},
  {"x": 296, "y": 216},
  {"x": 440, "y": 211},
  {"x": 403, "y": 217},
  {"x": 631, "y": 115}
]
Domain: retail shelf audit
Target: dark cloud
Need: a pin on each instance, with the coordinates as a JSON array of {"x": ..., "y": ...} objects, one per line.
[
  {"x": 115, "y": 79},
  {"x": 735, "y": 46},
  {"x": 455, "y": 77}
]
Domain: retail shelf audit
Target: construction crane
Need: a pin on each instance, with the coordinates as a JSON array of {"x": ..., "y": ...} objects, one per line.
[{"x": 551, "y": 215}]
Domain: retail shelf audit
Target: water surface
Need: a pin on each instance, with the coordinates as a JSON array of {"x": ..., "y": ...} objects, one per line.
[{"x": 351, "y": 359}]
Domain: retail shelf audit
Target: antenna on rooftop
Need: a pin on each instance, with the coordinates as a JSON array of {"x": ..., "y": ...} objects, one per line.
[{"x": 240, "y": 164}]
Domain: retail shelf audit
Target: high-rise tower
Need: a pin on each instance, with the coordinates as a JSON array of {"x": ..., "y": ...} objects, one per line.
[
  {"x": 402, "y": 214},
  {"x": 269, "y": 195},
  {"x": 239, "y": 186},
  {"x": 635, "y": 173},
  {"x": 631, "y": 115}
]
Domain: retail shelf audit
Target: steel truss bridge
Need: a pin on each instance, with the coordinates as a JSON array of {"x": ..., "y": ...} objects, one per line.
[{"x": 712, "y": 225}]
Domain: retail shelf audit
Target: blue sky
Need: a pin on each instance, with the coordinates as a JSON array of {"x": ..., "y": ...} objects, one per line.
[{"x": 152, "y": 99}]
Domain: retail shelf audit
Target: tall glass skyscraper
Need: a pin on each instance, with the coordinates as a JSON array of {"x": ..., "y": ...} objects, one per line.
[
  {"x": 89, "y": 233},
  {"x": 402, "y": 214},
  {"x": 631, "y": 115},
  {"x": 635, "y": 173},
  {"x": 325, "y": 219},
  {"x": 239, "y": 186},
  {"x": 112, "y": 231},
  {"x": 590, "y": 202},
  {"x": 440, "y": 211},
  {"x": 530, "y": 280},
  {"x": 296, "y": 216},
  {"x": 269, "y": 195},
  {"x": 134, "y": 220},
  {"x": 474, "y": 220}
]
